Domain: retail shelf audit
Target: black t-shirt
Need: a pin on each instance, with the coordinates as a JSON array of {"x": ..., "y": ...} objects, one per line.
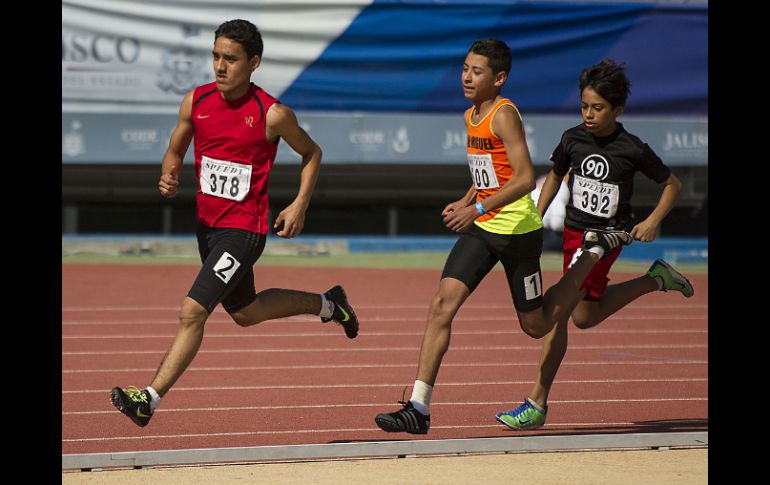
[{"x": 602, "y": 175}]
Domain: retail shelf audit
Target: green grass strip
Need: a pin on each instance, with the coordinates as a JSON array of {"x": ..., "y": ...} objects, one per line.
[{"x": 414, "y": 260}]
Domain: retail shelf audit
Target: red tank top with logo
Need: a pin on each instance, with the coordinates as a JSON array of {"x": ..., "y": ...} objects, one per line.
[{"x": 233, "y": 158}]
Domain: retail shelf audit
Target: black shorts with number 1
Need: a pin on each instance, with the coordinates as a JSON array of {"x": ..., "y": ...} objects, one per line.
[
  {"x": 228, "y": 256},
  {"x": 477, "y": 251}
]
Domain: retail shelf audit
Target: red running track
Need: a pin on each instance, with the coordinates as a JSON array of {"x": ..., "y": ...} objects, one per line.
[{"x": 297, "y": 381}]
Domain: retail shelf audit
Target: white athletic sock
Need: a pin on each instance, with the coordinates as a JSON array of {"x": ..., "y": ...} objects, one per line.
[
  {"x": 535, "y": 405},
  {"x": 155, "y": 398},
  {"x": 420, "y": 399},
  {"x": 597, "y": 250},
  {"x": 327, "y": 307},
  {"x": 659, "y": 281}
]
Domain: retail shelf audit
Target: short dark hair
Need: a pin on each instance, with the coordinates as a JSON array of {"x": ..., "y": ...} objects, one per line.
[
  {"x": 608, "y": 78},
  {"x": 497, "y": 51},
  {"x": 244, "y": 33}
]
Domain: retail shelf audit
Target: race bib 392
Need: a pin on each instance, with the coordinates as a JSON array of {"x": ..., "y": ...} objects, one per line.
[{"x": 593, "y": 197}]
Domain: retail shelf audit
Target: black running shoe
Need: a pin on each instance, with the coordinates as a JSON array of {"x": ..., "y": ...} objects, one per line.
[
  {"x": 343, "y": 313},
  {"x": 407, "y": 420},
  {"x": 607, "y": 239},
  {"x": 133, "y": 403}
]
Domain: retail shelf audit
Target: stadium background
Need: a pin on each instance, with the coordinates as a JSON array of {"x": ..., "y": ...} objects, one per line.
[{"x": 376, "y": 84}]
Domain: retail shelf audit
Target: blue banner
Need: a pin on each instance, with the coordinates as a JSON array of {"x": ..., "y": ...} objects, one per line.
[{"x": 406, "y": 56}]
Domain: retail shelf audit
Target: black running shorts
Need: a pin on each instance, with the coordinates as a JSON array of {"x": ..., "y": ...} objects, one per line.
[
  {"x": 226, "y": 276},
  {"x": 477, "y": 251}
]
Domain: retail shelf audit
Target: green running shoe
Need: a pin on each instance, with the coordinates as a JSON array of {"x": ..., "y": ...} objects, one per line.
[
  {"x": 133, "y": 403},
  {"x": 671, "y": 278},
  {"x": 523, "y": 417}
]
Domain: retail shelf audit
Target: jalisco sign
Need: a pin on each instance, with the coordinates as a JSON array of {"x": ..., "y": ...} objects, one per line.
[{"x": 363, "y": 138}]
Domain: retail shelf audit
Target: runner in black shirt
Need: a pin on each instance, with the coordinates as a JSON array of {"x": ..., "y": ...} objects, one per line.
[
  {"x": 601, "y": 170},
  {"x": 599, "y": 158}
]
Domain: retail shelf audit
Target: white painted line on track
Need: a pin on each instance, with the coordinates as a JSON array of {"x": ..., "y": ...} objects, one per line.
[
  {"x": 379, "y": 334},
  {"x": 371, "y": 385},
  {"x": 396, "y": 306},
  {"x": 390, "y": 349},
  {"x": 323, "y": 431},
  {"x": 508, "y": 318},
  {"x": 379, "y": 405},
  {"x": 389, "y": 366}
]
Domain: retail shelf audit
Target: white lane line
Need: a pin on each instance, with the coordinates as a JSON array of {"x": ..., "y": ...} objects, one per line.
[
  {"x": 389, "y": 366},
  {"x": 507, "y": 318},
  {"x": 395, "y": 306},
  {"x": 322, "y": 431},
  {"x": 379, "y": 405},
  {"x": 365, "y": 385},
  {"x": 389, "y": 349},
  {"x": 377, "y": 334}
]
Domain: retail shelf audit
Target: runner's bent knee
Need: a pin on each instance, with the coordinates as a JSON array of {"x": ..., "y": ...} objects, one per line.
[
  {"x": 440, "y": 306},
  {"x": 583, "y": 316},
  {"x": 192, "y": 313},
  {"x": 533, "y": 324},
  {"x": 247, "y": 316},
  {"x": 243, "y": 320},
  {"x": 448, "y": 299},
  {"x": 582, "y": 321}
]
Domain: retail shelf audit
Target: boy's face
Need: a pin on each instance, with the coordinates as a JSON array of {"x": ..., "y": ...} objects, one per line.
[
  {"x": 479, "y": 82},
  {"x": 232, "y": 67},
  {"x": 598, "y": 114}
]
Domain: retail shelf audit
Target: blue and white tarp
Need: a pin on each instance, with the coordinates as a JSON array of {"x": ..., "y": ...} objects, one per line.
[
  {"x": 407, "y": 56},
  {"x": 388, "y": 55}
]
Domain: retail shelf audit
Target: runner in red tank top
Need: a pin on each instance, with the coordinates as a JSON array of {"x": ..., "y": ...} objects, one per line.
[
  {"x": 233, "y": 157},
  {"x": 236, "y": 127}
]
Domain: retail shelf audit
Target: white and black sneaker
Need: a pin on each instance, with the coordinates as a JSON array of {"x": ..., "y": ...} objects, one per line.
[
  {"x": 407, "y": 420},
  {"x": 606, "y": 238}
]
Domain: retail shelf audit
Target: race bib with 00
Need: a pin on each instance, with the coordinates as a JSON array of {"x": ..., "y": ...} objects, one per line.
[
  {"x": 224, "y": 179},
  {"x": 482, "y": 171},
  {"x": 593, "y": 197}
]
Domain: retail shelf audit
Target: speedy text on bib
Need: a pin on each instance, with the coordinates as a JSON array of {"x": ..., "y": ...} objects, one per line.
[
  {"x": 225, "y": 179},
  {"x": 593, "y": 197},
  {"x": 482, "y": 171}
]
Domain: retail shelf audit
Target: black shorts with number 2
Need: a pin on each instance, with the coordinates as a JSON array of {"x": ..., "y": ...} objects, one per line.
[
  {"x": 228, "y": 256},
  {"x": 477, "y": 251}
]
